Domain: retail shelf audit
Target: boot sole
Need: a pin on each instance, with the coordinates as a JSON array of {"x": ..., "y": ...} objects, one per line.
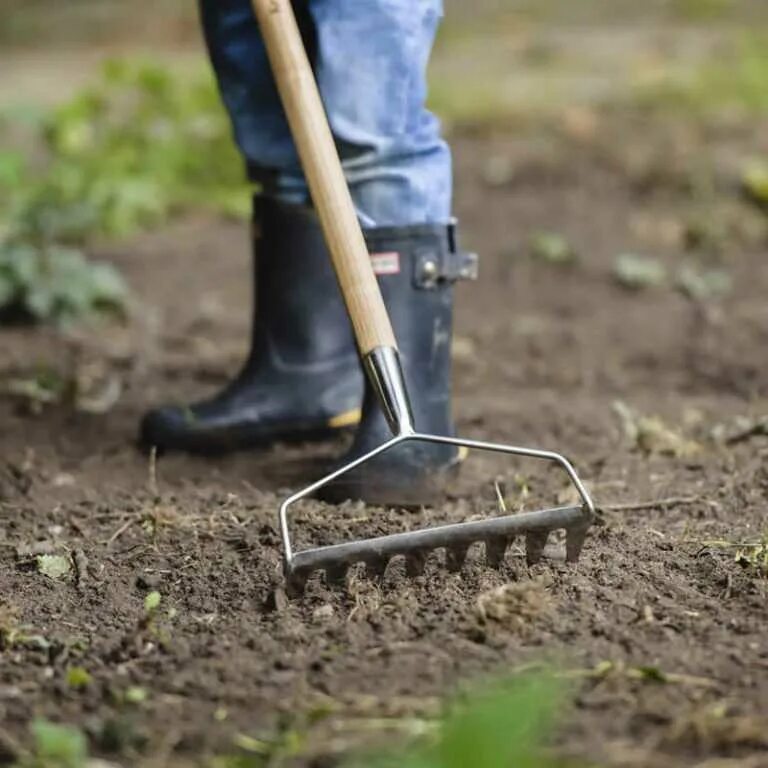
[{"x": 211, "y": 447}]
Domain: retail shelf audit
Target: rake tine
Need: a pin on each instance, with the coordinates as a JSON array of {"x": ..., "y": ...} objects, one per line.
[
  {"x": 415, "y": 563},
  {"x": 296, "y": 584},
  {"x": 375, "y": 567},
  {"x": 535, "y": 541},
  {"x": 574, "y": 541},
  {"x": 455, "y": 557},
  {"x": 336, "y": 575},
  {"x": 495, "y": 551}
]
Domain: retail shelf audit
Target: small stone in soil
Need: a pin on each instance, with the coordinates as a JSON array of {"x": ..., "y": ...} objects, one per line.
[
  {"x": 323, "y": 613},
  {"x": 148, "y": 581}
]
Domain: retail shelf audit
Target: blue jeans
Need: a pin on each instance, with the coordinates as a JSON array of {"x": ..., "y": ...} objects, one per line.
[{"x": 370, "y": 59}]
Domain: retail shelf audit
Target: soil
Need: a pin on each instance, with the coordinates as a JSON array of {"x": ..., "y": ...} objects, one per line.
[{"x": 660, "y": 624}]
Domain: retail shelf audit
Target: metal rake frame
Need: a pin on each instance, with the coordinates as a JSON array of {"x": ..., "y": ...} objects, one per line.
[{"x": 456, "y": 538}]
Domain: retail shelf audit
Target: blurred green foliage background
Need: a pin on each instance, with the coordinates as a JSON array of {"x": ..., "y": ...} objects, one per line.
[{"x": 110, "y": 122}]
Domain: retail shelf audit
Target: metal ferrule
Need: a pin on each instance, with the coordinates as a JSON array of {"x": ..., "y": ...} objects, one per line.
[{"x": 385, "y": 372}]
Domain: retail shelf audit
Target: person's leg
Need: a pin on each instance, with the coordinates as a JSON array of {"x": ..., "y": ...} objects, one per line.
[
  {"x": 302, "y": 378},
  {"x": 247, "y": 88},
  {"x": 371, "y": 61}
]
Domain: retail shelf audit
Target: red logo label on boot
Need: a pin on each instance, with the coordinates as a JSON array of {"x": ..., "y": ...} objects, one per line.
[{"x": 386, "y": 263}]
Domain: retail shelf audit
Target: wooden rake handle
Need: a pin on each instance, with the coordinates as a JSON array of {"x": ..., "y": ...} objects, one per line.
[{"x": 325, "y": 177}]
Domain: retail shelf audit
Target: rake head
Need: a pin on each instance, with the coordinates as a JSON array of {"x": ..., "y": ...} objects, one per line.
[{"x": 497, "y": 533}]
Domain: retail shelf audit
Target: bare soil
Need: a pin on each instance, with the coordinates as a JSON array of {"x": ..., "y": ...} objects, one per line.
[{"x": 661, "y": 627}]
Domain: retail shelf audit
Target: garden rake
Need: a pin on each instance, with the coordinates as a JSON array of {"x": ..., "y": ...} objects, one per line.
[{"x": 378, "y": 349}]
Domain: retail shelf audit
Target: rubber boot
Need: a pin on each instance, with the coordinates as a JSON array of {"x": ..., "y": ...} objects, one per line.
[
  {"x": 302, "y": 379},
  {"x": 417, "y": 267}
]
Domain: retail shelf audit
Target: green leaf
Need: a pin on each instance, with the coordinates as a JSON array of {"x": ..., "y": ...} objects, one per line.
[
  {"x": 152, "y": 601},
  {"x": 107, "y": 285},
  {"x": 39, "y": 388},
  {"x": 233, "y": 202},
  {"x": 12, "y": 166},
  {"x": 703, "y": 285},
  {"x": 57, "y": 282},
  {"x": 135, "y": 695},
  {"x": 20, "y": 263},
  {"x": 639, "y": 272},
  {"x": 78, "y": 677},
  {"x": 552, "y": 248},
  {"x": 755, "y": 182},
  {"x": 54, "y": 566},
  {"x": 503, "y": 726},
  {"x": 58, "y": 746},
  {"x": 41, "y": 301},
  {"x": 124, "y": 154},
  {"x": 653, "y": 674}
]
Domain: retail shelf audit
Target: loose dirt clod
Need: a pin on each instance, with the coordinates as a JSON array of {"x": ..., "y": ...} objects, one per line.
[
  {"x": 54, "y": 566},
  {"x": 515, "y": 605}
]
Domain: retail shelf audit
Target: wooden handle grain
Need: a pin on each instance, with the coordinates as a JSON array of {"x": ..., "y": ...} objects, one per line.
[{"x": 325, "y": 177}]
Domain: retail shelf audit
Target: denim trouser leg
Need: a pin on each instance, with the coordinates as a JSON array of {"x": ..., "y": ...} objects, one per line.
[{"x": 370, "y": 60}]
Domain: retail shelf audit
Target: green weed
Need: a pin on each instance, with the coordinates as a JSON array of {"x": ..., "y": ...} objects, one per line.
[
  {"x": 55, "y": 746},
  {"x": 121, "y": 156},
  {"x": 752, "y": 555},
  {"x": 755, "y": 182},
  {"x": 135, "y": 694},
  {"x": 54, "y": 566},
  {"x": 37, "y": 389},
  {"x": 703, "y": 284},
  {"x": 507, "y": 724},
  {"x": 78, "y": 678},
  {"x": 639, "y": 272},
  {"x": 141, "y": 144},
  {"x": 55, "y": 282},
  {"x": 152, "y": 603},
  {"x": 552, "y": 248}
]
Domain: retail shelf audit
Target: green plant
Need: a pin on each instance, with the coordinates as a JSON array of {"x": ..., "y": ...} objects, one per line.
[
  {"x": 152, "y": 603},
  {"x": 751, "y": 555},
  {"x": 78, "y": 677},
  {"x": 55, "y": 746},
  {"x": 141, "y": 144},
  {"x": 552, "y": 248},
  {"x": 755, "y": 556},
  {"x": 502, "y": 726},
  {"x": 56, "y": 282},
  {"x": 638, "y": 272},
  {"x": 54, "y": 566},
  {"x": 755, "y": 182},
  {"x": 123, "y": 155}
]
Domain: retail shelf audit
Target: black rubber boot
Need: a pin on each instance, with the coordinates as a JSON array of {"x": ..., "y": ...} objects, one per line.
[
  {"x": 417, "y": 267},
  {"x": 302, "y": 379}
]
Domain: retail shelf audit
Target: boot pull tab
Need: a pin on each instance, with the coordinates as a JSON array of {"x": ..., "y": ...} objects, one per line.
[{"x": 433, "y": 267}]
